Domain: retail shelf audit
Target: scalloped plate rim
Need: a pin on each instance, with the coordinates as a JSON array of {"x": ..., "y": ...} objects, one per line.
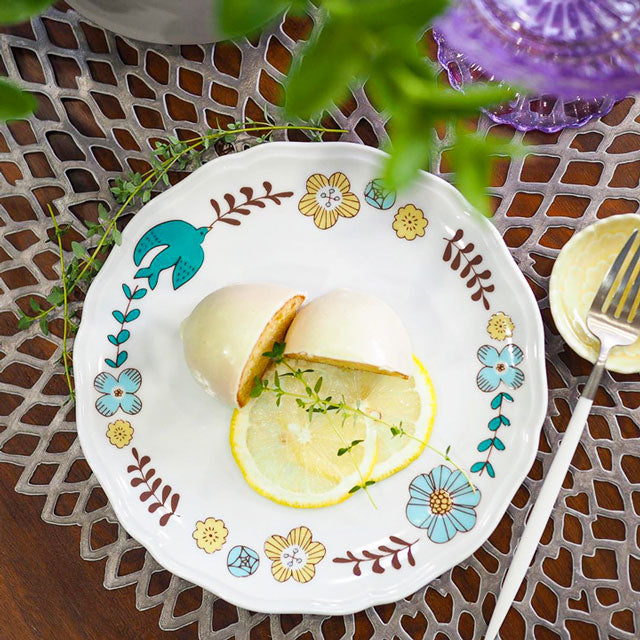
[{"x": 364, "y": 598}]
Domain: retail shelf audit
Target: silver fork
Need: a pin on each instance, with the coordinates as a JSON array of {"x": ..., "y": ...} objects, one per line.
[{"x": 613, "y": 326}]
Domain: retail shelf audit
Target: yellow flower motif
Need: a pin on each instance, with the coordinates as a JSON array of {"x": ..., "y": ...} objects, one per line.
[
  {"x": 500, "y": 326},
  {"x": 409, "y": 222},
  {"x": 210, "y": 535},
  {"x": 120, "y": 433},
  {"x": 295, "y": 556},
  {"x": 328, "y": 198}
]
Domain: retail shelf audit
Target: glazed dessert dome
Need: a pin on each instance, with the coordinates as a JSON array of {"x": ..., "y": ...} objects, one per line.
[
  {"x": 225, "y": 336},
  {"x": 351, "y": 329}
]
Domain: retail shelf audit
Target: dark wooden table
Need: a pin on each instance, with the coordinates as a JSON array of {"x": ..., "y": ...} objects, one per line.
[{"x": 47, "y": 591}]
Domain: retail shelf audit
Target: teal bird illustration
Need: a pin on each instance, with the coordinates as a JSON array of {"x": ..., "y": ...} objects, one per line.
[{"x": 183, "y": 251}]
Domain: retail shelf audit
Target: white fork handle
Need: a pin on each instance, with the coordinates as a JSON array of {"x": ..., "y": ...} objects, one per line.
[{"x": 539, "y": 515}]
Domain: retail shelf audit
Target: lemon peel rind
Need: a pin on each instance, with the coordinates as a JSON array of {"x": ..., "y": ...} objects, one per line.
[
  {"x": 291, "y": 503},
  {"x": 434, "y": 407}
]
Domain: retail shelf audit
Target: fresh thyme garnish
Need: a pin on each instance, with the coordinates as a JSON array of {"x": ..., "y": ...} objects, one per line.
[
  {"x": 135, "y": 188},
  {"x": 312, "y": 402},
  {"x": 65, "y": 330}
]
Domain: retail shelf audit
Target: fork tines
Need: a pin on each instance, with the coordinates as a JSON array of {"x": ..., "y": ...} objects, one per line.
[{"x": 617, "y": 282}]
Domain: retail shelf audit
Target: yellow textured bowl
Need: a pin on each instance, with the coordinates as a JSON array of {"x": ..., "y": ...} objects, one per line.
[{"x": 577, "y": 274}]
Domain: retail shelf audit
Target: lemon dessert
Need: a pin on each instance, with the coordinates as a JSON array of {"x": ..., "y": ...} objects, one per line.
[
  {"x": 229, "y": 330},
  {"x": 341, "y": 405}
]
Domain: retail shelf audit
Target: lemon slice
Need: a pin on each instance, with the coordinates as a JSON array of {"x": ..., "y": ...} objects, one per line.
[
  {"x": 294, "y": 461},
  {"x": 409, "y": 403}
]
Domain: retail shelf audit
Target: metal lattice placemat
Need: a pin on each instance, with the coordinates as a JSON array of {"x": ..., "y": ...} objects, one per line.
[{"x": 104, "y": 99}]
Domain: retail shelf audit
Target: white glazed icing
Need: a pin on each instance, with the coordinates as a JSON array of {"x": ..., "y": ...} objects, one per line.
[
  {"x": 220, "y": 333},
  {"x": 354, "y": 327}
]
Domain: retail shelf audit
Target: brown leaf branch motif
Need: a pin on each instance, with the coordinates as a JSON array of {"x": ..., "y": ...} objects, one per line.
[
  {"x": 166, "y": 500},
  {"x": 460, "y": 255},
  {"x": 383, "y": 551},
  {"x": 250, "y": 200}
]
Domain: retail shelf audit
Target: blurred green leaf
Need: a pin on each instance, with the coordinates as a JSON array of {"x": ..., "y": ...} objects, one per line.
[
  {"x": 15, "y": 103},
  {"x": 451, "y": 103},
  {"x": 381, "y": 14},
  {"x": 411, "y": 151},
  {"x": 245, "y": 17},
  {"x": 381, "y": 41},
  {"x": 331, "y": 60},
  {"x": 472, "y": 158},
  {"x": 15, "y": 11}
]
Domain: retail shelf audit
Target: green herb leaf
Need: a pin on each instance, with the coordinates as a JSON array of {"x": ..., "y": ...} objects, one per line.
[
  {"x": 117, "y": 236},
  {"x": 43, "y": 326},
  {"x": 245, "y": 17},
  {"x": 56, "y": 297},
  {"x": 321, "y": 75},
  {"x": 16, "y": 11},
  {"x": 256, "y": 390},
  {"x": 14, "y": 103},
  {"x": 103, "y": 214},
  {"x": 25, "y": 321},
  {"x": 78, "y": 250},
  {"x": 34, "y": 304},
  {"x": 471, "y": 159},
  {"x": 342, "y": 451},
  {"x": 354, "y": 489}
]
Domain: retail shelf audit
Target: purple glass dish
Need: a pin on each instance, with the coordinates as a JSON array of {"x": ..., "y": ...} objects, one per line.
[
  {"x": 526, "y": 112},
  {"x": 566, "y": 48}
]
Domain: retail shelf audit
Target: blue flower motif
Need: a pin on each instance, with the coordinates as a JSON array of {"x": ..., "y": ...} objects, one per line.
[
  {"x": 500, "y": 367},
  {"x": 378, "y": 196},
  {"x": 442, "y": 502},
  {"x": 118, "y": 393},
  {"x": 242, "y": 561}
]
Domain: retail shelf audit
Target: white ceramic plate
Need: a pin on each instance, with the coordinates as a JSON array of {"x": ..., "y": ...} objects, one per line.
[{"x": 472, "y": 319}]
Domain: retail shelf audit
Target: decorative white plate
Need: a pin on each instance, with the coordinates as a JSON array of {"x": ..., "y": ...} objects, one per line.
[{"x": 160, "y": 446}]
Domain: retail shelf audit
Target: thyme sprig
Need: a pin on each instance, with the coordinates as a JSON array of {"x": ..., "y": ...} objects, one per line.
[
  {"x": 312, "y": 402},
  {"x": 134, "y": 188},
  {"x": 65, "y": 301}
]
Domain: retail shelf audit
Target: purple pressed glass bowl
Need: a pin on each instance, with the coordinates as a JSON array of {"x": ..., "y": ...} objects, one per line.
[{"x": 569, "y": 52}]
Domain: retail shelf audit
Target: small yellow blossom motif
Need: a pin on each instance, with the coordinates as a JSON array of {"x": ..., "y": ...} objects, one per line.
[
  {"x": 120, "y": 433},
  {"x": 295, "y": 556},
  {"x": 409, "y": 222},
  {"x": 210, "y": 535},
  {"x": 500, "y": 326},
  {"x": 328, "y": 198}
]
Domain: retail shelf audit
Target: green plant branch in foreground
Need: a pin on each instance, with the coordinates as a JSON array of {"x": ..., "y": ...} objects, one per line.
[
  {"x": 380, "y": 44},
  {"x": 311, "y": 402},
  {"x": 65, "y": 298},
  {"x": 135, "y": 187},
  {"x": 15, "y": 103}
]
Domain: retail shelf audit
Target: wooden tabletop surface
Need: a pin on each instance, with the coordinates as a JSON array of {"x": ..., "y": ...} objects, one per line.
[{"x": 49, "y": 593}]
